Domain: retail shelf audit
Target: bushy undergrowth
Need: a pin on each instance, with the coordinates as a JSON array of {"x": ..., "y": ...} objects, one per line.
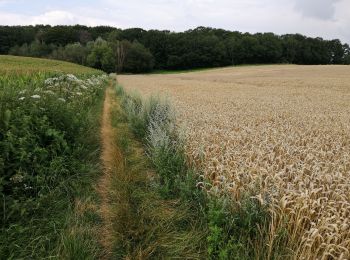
[
  {"x": 45, "y": 139},
  {"x": 234, "y": 230}
]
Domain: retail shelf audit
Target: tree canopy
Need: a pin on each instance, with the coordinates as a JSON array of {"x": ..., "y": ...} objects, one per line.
[{"x": 137, "y": 50}]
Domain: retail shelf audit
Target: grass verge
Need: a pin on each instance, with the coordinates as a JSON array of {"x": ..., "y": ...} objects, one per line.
[{"x": 146, "y": 224}]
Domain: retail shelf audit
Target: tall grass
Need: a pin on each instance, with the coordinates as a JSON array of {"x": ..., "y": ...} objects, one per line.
[
  {"x": 48, "y": 151},
  {"x": 148, "y": 222}
]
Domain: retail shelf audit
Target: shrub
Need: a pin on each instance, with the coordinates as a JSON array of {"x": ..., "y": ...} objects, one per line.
[
  {"x": 101, "y": 56},
  {"x": 138, "y": 59}
]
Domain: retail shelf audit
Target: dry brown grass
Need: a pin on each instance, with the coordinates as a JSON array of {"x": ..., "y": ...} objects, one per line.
[
  {"x": 111, "y": 158},
  {"x": 279, "y": 132}
]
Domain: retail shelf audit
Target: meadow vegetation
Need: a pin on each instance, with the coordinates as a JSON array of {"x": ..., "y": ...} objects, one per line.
[
  {"x": 27, "y": 66},
  {"x": 48, "y": 158}
]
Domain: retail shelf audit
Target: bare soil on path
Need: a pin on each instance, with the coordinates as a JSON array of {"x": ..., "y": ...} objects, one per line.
[{"x": 109, "y": 158}]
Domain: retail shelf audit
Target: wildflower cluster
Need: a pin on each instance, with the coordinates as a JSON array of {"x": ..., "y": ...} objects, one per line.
[
  {"x": 41, "y": 125},
  {"x": 65, "y": 88}
]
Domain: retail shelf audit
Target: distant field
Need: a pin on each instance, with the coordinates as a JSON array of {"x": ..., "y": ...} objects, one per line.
[
  {"x": 280, "y": 132},
  {"x": 28, "y": 65}
]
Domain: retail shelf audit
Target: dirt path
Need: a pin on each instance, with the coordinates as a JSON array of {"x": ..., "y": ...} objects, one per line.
[
  {"x": 138, "y": 223},
  {"x": 110, "y": 157}
]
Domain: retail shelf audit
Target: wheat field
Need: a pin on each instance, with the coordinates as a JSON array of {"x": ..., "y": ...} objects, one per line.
[{"x": 280, "y": 133}]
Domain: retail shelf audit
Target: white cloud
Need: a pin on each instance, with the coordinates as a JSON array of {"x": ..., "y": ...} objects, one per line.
[
  {"x": 55, "y": 17},
  {"x": 12, "y": 19}
]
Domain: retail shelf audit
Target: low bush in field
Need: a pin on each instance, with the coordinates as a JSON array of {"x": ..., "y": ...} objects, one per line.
[{"x": 43, "y": 124}]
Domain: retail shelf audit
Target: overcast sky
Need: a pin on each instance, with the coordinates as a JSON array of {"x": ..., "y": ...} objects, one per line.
[{"x": 325, "y": 18}]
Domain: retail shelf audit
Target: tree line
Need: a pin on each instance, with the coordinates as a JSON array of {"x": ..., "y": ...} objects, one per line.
[{"x": 136, "y": 50}]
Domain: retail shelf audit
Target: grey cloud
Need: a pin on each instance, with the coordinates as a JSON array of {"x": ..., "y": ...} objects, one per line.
[{"x": 321, "y": 9}]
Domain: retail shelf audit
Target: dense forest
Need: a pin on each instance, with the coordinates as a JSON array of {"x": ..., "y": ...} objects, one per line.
[{"x": 137, "y": 50}]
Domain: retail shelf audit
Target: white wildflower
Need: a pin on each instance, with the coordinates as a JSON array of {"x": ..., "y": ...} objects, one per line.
[
  {"x": 50, "y": 92},
  {"x": 21, "y": 98},
  {"x": 62, "y": 99},
  {"x": 48, "y": 81},
  {"x": 36, "y": 96},
  {"x": 72, "y": 77},
  {"x": 26, "y": 187}
]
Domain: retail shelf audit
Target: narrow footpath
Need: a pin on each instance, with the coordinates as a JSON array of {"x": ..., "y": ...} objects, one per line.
[
  {"x": 137, "y": 222},
  {"x": 110, "y": 157}
]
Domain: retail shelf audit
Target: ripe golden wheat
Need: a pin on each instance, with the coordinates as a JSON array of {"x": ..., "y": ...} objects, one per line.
[{"x": 281, "y": 133}]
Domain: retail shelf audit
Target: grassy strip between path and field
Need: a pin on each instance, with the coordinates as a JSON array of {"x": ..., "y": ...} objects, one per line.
[
  {"x": 169, "y": 212},
  {"x": 146, "y": 224}
]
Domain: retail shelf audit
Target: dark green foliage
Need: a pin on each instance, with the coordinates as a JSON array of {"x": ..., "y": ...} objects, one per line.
[
  {"x": 34, "y": 49},
  {"x": 101, "y": 56},
  {"x": 59, "y": 35},
  {"x": 74, "y": 52},
  {"x": 233, "y": 228},
  {"x": 202, "y": 47},
  {"x": 137, "y": 116},
  {"x": 138, "y": 59},
  {"x": 337, "y": 52},
  {"x": 171, "y": 167},
  {"x": 133, "y": 34},
  {"x": 16, "y": 35}
]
